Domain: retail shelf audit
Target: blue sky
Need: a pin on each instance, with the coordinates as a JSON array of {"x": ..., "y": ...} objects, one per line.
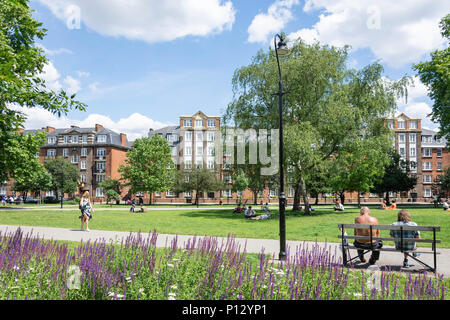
[{"x": 143, "y": 64}]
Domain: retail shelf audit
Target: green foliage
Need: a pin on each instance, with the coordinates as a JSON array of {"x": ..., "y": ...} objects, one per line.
[
  {"x": 36, "y": 180},
  {"x": 112, "y": 195},
  {"x": 198, "y": 180},
  {"x": 443, "y": 181},
  {"x": 64, "y": 175},
  {"x": 435, "y": 74},
  {"x": 149, "y": 166},
  {"x": 21, "y": 64},
  {"x": 111, "y": 184}
]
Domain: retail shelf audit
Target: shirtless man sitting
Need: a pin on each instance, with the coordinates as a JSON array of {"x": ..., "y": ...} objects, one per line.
[{"x": 365, "y": 218}]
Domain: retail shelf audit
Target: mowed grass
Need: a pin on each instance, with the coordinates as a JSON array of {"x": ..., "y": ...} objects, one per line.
[{"x": 320, "y": 226}]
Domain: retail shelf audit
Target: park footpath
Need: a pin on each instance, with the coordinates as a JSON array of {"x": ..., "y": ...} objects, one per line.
[{"x": 389, "y": 261}]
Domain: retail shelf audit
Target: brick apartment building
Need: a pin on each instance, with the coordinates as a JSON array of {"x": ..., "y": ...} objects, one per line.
[{"x": 97, "y": 152}]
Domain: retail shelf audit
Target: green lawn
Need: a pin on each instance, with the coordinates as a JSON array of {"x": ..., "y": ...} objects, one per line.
[{"x": 322, "y": 225}]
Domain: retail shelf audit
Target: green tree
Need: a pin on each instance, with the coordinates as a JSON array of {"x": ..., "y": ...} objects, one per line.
[
  {"x": 21, "y": 63},
  {"x": 36, "y": 180},
  {"x": 113, "y": 185},
  {"x": 197, "y": 180},
  {"x": 435, "y": 74},
  {"x": 64, "y": 175},
  {"x": 327, "y": 108},
  {"x": 112, "y": 195},
  {"x": 240, "y": 182},
  {"x": 148, "y": 166},
  {"x": 396, "y": 178},
  {"x": 443, "y": 181}
]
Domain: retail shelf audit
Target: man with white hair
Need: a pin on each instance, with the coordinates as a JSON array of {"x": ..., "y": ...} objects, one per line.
[{"x": 365, "y": 218}]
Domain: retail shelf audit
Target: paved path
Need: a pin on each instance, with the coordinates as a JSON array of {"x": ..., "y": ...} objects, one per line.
[{"x": 388, "y": 260}]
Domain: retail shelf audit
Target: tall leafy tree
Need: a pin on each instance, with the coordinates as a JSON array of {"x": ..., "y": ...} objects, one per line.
[
  {"x": 64, "y": 175},
  {"x": 443, "y": 182},
  {"x": 148, "y": 166},
  {"x": 36, "y": 180},
  {"x": 328, "y": 107},
  {"x": 397, "y": 177},
  {"x": 435, "y": 74},
  {"x": 197, "y": 180},
  {"x": 21, "y": 64},
  {"x": 110, "y": 184}
]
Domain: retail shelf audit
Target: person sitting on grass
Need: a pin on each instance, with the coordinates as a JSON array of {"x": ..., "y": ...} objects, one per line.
[
  {"x": 339, "y": 206},
  {"x": 383, "y": 205},
  {"x": 133, "y": 207},
  {"x": 250, "y": 213},
  {"x": 393, "y": 206},
  {"x": 445, "y": 205},
  {"x": 142, "y": 209},
  {"x": 238, "y": 209},
  {"x": 404, "y": 219}
]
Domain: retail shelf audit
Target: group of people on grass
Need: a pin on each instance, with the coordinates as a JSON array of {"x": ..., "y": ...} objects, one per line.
[
  {"x": 249, "y": 213},
  {"x": 403, "y": 219}
]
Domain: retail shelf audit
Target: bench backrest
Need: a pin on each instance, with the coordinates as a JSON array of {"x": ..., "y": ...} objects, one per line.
[{"x": 387, "y": 227}]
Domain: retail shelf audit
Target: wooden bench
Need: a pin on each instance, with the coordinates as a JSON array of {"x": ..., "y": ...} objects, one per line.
[{"x": 345, "y": 246}]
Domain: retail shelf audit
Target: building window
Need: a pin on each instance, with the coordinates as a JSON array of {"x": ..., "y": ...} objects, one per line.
[
  {"x": 65, "y": 153},
  {"x": 426, "y": 152},
  {"x": 227, "y": 193},
  {"x": 439, "y": 152},
  {"x": 291, "y": 192},
  {"x": 199, "y": 164},
  {"x": 413, "y": 165},
  {"x": 66, "y": 139},
  {"x": 187, "y": 194},
  {"x": 199, "y": 151},
  {"x": 84, "y": 138},
  {"x": 427, "y": 165},
  {"x": 401, "y": 124},
  {"x": 210, "y": 164},
  {"x": 101, "y": 152},
  {"x": 101, "y": 138},
  {"x": 51, "y": 140},
  {"x": 84, "y": 152},
  {"x": 227, "y": 178},
  {"x": 391, "y": 124},
  {"x": 211, "y": 123},
  {"x": 412, "y": 151},
  {"x": 439, "y": 166},
  {"x": 402, "y": 152},
  {"x": 157, "y": 193},
  {"x": 99, "y": 193},
  {"x": 74, "y": 159},
  {"x": 74, "y": 139},
  {"x": 187, "y": 122},
  {"x": 188, "y": 164},
  {"x": 3, "y": 190},
  {"x": 83, "y": 177},
  {"x": 273, "y": 193},
  {"x": 51, "y": 153},
  {"x": 412, "y": 138},
  {"x": 100, "y": 167},
  {"x": 100, "y": 178},
  {"x": 211, "y": 151},
  {"x": 188, "y": 151},
  {"x": 188, "y": 136},
  {"x": 427, "y": 193},
  {"x": 427, "y": 178},
  {"x": 413, "y": 124},
  {"x": 199, "y": 123},
  {"x": 170, "y": 193},
  {"x": 50, "y": 193},
  {"x": 83, "y": 165},
  {"x": 401, "y": 138},
  {"x": 199, "y": 136},
  {"x": 426, "y": 139},
  {"x": 211, "y": 136}
]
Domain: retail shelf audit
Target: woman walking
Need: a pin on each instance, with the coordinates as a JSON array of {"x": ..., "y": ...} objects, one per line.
[{"x": 86, "y": 208}]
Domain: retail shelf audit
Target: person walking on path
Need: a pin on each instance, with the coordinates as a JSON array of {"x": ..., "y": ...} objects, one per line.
[
  {"x": 86, "y": 207},
  {"x": 365, "y": 218}
]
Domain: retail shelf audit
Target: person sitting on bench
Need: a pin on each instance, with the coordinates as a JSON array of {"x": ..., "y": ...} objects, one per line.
[
  {"x": 404, "y": 219},
  {"x": 365, "y": 218}
]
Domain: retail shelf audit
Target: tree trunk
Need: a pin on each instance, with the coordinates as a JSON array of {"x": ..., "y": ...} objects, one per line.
[
  {"x": 342, "y": 196},
  {"x": 317, "y": 199},
  {"x": 359, "y": 201},
  {"x": 387, "y": 198},
  {"x": 296, "y": 204},
  {"x": 302, "y": 186},
  {"x": 255, "y": 197}
]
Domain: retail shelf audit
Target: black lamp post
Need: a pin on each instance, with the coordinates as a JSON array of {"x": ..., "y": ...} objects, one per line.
[
  {"x": 281, "y": 50},
  {"x": 62, "y": 184}
]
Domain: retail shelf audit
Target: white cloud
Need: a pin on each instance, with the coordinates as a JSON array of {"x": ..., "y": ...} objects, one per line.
[
  {"x": 51, "y": 77},
  {"x": 53, "y": 52},
  {"x": 397, "y": 32},
  {"x": 149, "y": 20},
  {"x": 83, "y": 74},
  {"x": 265, "y": 25},
  {"x": 73, "y": 85},
  {"x": 135, "y": 126}
]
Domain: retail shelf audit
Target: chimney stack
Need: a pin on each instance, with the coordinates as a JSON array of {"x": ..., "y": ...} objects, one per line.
[
  {"x": 123, "y": 139},
  {"x": 98, "y": 127},
  {"x": 48, "y": 129},
  {"x": 74, "y": 127}
]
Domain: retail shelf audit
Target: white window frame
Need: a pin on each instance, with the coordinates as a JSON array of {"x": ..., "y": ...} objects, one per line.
[
  {"x": 210, "y": 164},
  {"x": 66, "y": 139},
  {"x": 427, "y": 165},
  {"x": 403, "y": 124},
  {"x": 401, "y": 138},
  {"x": 413, "y": 124},
  {"x": 427, "y": 193},
  {"x": 199, "y": 136},
  {"x": 211, "y": 123},
  {"x": 188, "y": 150},
  {"x": 412, "y": 137},
  {"x": 84, "y": 138},
  {"x": 427, "y": 152},
  {"x": 83, "y": 164},
  {"x": 51, "y": 140},
  {"x": 83, "y": 177},
  {"x": 199, "y": 151},
  {"x": 188, "y": 136},
  {"x": 84, "y": 152},
  {"x": 65, "y": 152},
  {"x": 101, "y": 152},
  {"x": 99, "y": 192},
  {"x": 188, "y": 164},
  {"x": 51, "y": 152},
  {"x": 74, "y": 158},
  {"x": 412, "y": 151},
  {"x": 101, "y": 138},
  {"x": 187, "y": 122},
  {"x": 439, "y": 153},
  {"x": 273, "y": 193},
  {"x": 199, "y": 123},
  {"x": 74, "y": 139},
  {"x": 439, "y": 166},
  {"x": 211, "y": 136}
]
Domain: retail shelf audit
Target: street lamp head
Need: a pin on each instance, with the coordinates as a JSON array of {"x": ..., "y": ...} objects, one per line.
[{"x": 282, "y": 48}]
